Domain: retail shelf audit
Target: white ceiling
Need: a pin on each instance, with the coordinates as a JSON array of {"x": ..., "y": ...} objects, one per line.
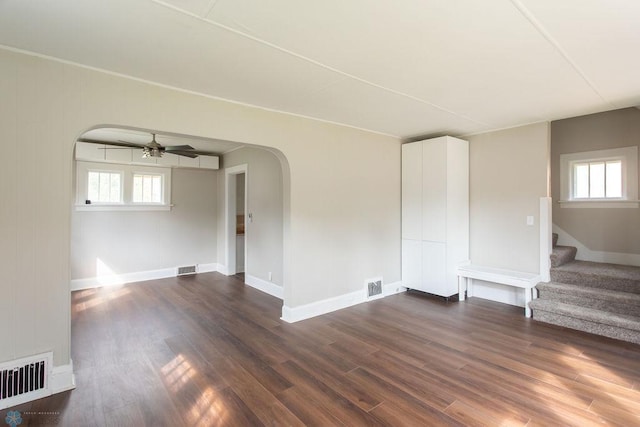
[{"x": 401, "y": 67}]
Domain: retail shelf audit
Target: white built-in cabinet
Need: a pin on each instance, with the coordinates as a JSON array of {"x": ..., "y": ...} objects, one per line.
[
  {"x": 435, "y": 213},
  {"x": 105, "y": 153}
]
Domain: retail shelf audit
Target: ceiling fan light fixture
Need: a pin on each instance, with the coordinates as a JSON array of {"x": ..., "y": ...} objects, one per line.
[{"x": 151, "y": 152}]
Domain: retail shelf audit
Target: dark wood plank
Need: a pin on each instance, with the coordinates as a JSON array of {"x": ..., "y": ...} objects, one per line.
[
  {"x": 617, "y": 412},
  {"x": 209, "y": 350},
  {"x": 332, "y": 375},
  {"x": 326, "y": 397},
  {"x": 307, "y": 409},
  {"x": 478, "y": 416},
  {"x": 436, "y": 387},
  {"x": 400, "y": 407},
  {"x": 263, "y": 403}
]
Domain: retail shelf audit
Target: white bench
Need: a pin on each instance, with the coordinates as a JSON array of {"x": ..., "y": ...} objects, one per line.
[{"x": 526, "y": 281}]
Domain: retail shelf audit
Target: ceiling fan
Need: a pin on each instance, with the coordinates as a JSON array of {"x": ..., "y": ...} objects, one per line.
[{"x": 153, "y": 148}]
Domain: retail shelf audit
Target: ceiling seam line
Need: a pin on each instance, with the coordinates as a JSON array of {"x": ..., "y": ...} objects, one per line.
[
  {"x": 312, "y": 61},
  {"x": 482, "y": 132},
  {"x": 212, "y": 4},
  {"x": 189, "y": 91},
  {"x": 529, "y": 16}
]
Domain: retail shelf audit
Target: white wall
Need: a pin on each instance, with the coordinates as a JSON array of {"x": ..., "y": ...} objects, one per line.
[
  {"x": 345, "y": 217},
  {"x": 263, "y": 236},
  {"x": 139, "y": 241},
  {"x": 342, "y": 189},
  {"x": 508, "y": 175}
]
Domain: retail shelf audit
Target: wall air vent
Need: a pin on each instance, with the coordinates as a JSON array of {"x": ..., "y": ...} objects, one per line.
[
  {"x": 184, "y": 271},
  {"x": 374, "y": 288},
  {"x": 25, "y": 379}
]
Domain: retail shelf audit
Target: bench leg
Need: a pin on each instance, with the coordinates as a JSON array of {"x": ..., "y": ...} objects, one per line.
[
  {"x": 527, "y": 300},
  {"x": 462, "y": 288}
]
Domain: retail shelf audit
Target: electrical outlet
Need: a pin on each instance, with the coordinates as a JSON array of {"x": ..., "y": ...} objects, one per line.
[{"x": 270, "y": 276}]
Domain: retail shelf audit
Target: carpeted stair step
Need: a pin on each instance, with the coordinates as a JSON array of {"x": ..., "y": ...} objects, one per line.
[
  {"x": 562, "y": 255},
  {"x": 623, "y": 278},
  {"x": 599, "y": 299},
  {"x": 554, "y": 237},
  {"x": 618, "y": 326}
]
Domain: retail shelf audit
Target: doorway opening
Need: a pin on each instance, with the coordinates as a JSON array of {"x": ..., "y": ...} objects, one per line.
[
  {"x": 236, "y": 218},
  {"x": 240, "y": 224}
]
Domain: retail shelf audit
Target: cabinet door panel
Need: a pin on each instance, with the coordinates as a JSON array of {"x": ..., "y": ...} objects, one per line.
[
  {"x": 412, "y": 191},
  {"x": 412, "y": 264},
  {"x": 210, "y": 162},
  {"x": 118, "y": 154},
  {"x": 434, "y": 261},
  {"x": 188, "y": 162},
  {"x": 169, "y": 159},
  {"x": 88, "y": 151},
  {"x": 434, "y": 190}
]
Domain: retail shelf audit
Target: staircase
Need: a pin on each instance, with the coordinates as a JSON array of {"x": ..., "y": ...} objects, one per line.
[{"x": 602, "y": 299}]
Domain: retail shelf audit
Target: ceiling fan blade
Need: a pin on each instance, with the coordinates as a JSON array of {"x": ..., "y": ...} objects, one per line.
[
  {"x": 126, "y": 144},
  {"x": 184, "y": 153},
  {"x": 178, "y": 148},
  {"x": 204, "y": 153},
  {"x": 117, "y": 144}
]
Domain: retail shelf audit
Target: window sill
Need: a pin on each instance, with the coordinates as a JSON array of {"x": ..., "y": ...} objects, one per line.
[
  {"x": 599, "y": 203},
  {"x": 122, "y": 208}
]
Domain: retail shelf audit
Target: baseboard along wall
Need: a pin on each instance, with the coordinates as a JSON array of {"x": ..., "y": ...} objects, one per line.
[
  {"x": 318, "y": 308},
  {"x": 138, "y": 276}
]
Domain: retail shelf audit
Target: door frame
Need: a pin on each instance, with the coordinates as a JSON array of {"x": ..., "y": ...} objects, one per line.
[{"x": 230, "y": 218}]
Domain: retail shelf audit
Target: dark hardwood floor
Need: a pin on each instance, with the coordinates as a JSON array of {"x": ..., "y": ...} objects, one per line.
[{"x": 207, "y": 350}]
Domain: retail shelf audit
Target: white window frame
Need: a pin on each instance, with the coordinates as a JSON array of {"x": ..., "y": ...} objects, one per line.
[
  {"x": 126, "y": 181},
  {"x": 163, "y": 182},
  {"x": 85, "y": 182},
  {"x": 629, "y": 159}
]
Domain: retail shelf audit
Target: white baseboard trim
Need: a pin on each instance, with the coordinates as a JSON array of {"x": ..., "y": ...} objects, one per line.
[
  {"x": 307, "y": 311},
  {"x": 393, "y": 288},
  {"x": 62, "y": 378},
  {"x": 137, "y": 276},
  {"x": 208, "y": 268},
  {"x": 222, "y": 269},
  {"x": 586, "y": 254},
  {"x": 264, "y": 286}
]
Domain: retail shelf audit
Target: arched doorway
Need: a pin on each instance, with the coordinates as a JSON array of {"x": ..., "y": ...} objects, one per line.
[{"x": 119, "y": 241}]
